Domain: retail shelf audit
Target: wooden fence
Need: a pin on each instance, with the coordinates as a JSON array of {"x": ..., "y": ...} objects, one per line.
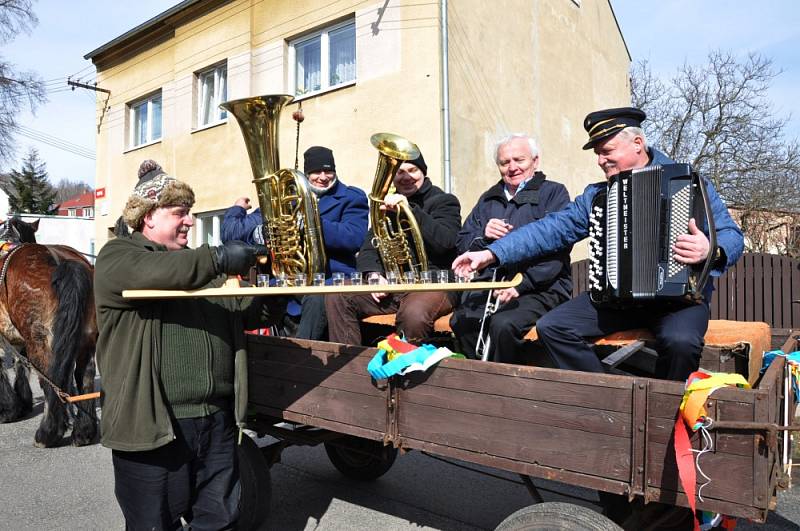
[{"x": 760, "y": 287}]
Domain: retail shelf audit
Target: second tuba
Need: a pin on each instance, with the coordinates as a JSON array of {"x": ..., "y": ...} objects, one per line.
[
  {"x": 292, "y": 228},
  {"x": 396, "y": 237}
]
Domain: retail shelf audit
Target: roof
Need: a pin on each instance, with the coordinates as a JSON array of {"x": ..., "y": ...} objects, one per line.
[
  {"x": 78, "y": 201},
  {"x": 150, "y": 33}
]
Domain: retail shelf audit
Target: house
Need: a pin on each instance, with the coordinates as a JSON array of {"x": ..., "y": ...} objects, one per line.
[
  {"x": 452, "y": 76},
  {"x": 81, "y": 205},
  {"x": 769, "y": 230}
]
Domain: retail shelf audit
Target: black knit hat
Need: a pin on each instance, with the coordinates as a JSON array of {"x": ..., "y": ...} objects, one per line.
[
  {"x": 606, "y": 123},
  {"x": 419, "y": 162},
  {"x": 318, "y": 158}
]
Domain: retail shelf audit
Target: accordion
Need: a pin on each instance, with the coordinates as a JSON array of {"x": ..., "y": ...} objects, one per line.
[{"x": 633, "y": 225}]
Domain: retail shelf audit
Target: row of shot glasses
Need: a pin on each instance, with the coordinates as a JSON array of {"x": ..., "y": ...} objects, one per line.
[{"x": 441, "y": 276}]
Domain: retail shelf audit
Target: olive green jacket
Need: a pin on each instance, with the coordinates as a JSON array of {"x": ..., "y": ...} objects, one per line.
[{"x": 135, "y": 416}]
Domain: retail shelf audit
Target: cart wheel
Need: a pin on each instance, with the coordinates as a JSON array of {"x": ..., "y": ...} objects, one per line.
[
  {"x": 557, "y": 516},
  {"x": 256, "y": 489},
  {"x": 359, "y": 458}
]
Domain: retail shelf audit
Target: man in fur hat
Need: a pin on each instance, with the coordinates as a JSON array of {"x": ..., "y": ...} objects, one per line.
[{"x": 174, "y": 384}]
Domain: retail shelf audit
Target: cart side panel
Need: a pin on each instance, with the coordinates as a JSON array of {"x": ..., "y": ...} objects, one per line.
[
  {"x": 320, "y": 384},
  {"x": 566, "y": 422}
]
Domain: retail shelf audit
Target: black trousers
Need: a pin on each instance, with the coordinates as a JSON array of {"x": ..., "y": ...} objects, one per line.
[
  {"x": 195, "y": 476},
  {"x": 679, "y": 333},
  {"x": 506, "y": 328},
  {"x": 313, "y": 319}
]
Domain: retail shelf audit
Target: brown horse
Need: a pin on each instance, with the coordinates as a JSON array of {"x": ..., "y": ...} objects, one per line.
[{"x": 47, "y": 313}]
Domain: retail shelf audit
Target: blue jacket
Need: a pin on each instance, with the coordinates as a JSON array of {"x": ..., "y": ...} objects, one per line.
[
  {"x": 561, "y": 229},
  {"x": 343, "y": 212},
  {"x": 538, "y": 198}
]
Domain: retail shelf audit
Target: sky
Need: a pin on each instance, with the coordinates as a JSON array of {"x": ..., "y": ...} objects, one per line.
[{"x": 666, "y": 33}]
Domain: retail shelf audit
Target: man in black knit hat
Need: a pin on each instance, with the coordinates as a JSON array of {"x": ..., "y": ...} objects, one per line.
[{"x": 174, "y": 370}]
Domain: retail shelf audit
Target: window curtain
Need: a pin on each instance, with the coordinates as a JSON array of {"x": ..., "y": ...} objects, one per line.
[
  {"x": 308, "y": 66},
  {"x": 342, "y": 47}
]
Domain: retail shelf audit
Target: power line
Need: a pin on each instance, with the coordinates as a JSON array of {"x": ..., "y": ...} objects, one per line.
[{"x": 55, "y": 142}]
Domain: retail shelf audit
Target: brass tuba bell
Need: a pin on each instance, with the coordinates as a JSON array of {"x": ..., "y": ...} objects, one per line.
[
  {"x": 396, "y": 237},
  {"x": 292, "y": 228}
]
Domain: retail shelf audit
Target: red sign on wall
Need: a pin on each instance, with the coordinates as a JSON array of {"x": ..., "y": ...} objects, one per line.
[{"x": 100, "y": 193}]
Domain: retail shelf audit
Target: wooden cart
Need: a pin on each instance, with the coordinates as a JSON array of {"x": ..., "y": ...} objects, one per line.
[{"x": 606, "y": 432}]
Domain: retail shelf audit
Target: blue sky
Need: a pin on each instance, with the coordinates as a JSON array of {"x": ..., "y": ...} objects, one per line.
[{"x": 666, "y": 33}]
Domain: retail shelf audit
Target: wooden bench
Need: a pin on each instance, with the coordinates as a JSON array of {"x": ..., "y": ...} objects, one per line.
[{"x": 724, "y": 342}]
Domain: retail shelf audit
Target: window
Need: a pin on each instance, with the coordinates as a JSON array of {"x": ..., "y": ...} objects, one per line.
[
  {"x": 207, "y": 227},
  {"x": 145, "y": 120},
  {"x": 88, "y": 212},
  {"x": 212, "y": 89},
  {"x": 324, "y": 60},
  {"x": 72, "y": 212}
]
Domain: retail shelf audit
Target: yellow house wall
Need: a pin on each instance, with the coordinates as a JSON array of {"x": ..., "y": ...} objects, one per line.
[
  {"x": 536, "y": 68},
  {"x": 397, "y": 90},
  {"x": 515, "y": 65}
]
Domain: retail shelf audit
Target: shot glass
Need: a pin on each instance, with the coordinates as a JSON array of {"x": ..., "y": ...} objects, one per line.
[
  {"x": 319, "y": 279},
  {"x": 262, "y": 280},
  {"x": 444, "y": 276},
  {"x": 425, "y": 277},
  {"x": 338, "y": 278},
  {"x": 281, "y": 281},
  {"x": 392, "y": 277},
  {"x": 355, "y": 278},
  {"x": 374, "y": 279},
  {"x": 409, "y": 277},
  {"x": 464, "y": 278},
  {"x": 300, "y": 279}
]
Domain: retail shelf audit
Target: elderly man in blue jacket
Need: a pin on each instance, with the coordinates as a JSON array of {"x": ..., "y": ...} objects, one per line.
[
  {"x": 616, "y": 137},
  {"x": 343, "y": 212}
]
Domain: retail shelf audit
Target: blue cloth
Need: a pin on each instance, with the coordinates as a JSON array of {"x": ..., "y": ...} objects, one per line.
[
  {"x": 561, "y": 229},
  {"x": 793, "y": 357},
  {"x": 343, "y": 212},
  {"x": 380, "y": 370}
]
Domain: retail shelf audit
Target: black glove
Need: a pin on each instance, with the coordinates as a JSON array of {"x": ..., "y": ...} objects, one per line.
[{"x": 236, "y": 258}]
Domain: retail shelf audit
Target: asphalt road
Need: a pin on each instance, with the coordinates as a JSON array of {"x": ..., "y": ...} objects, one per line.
[{"x": 72, "y": 488}]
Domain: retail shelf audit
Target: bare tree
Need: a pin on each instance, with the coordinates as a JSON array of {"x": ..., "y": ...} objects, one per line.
[
  {"x": 18, "y": 89},
  {"x": 67, "y": 189},
  {"x": 719, "y": 117}
]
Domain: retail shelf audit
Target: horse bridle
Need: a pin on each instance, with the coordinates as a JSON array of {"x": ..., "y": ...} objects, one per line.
[{"x": 4, "y": 269}]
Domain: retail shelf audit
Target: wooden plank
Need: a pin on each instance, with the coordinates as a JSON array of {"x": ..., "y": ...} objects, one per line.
[
  {"x": 786, "y": 291},
  {"x": 757, "y": 275},
  {"x": 556, "y": 390},
  {"x": 665, "y": 406},
  {"x": 740, "y": 292},
  {"x": 731, "y": 475},
  {"x": 711, "y": 504},
  {"x": 639, "y": 435},
  {"x": 338, "y": 427},
  {"x": 601, "y": 455},
  {"x": 317, "y": 402},
  {"x": 730, "y": 442},
  {"x": 794, "y": 294},
  {"x": 769, "y": 300},
  {"x": 299, "y": 291},
  {"x": 356, "y": 383},
  {"x": 588, "y": 481},
  {"x": 748, "y": 285},
  {"x": 352, "y": 365},
  {"x": 583, "y": 419}
]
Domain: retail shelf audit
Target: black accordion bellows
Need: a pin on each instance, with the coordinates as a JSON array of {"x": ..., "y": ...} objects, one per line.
[{"x": 633, "y": 225}]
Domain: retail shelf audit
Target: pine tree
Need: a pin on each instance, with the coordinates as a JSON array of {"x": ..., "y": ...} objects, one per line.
[{"x": 29, "y": 190}]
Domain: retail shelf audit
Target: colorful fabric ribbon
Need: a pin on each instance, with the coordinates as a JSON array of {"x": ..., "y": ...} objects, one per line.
[
  {"x": 397, "y": 356},
  {"x": 792, "y": 362},
  {"x": 693, "y": 413}
]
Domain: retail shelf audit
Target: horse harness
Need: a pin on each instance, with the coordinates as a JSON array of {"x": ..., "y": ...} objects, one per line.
[{"x": 60, "y": 393}]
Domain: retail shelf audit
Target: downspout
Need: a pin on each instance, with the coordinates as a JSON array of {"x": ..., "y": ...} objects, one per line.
[{"x": 448, "y": 178}]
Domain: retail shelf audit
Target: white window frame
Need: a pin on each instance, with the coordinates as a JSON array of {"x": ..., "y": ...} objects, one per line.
[
  {"x": 72, "y": 212},
  {"x": 324, "y": 52},
  {"x": 201, "y": 221},
  {"x": 220, "y": 71},
  {"x": 132, "y": 106},
  {"x": 88, "y": 212}
]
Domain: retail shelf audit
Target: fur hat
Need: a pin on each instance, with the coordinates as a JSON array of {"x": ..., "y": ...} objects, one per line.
[{"x": 155, "y": 189}]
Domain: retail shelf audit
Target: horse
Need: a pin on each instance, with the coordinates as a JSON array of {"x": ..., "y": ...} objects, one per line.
[{"x": 47, "y": 313}]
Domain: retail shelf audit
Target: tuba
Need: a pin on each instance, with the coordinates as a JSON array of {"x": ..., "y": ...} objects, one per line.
[
  {"x": 292, "y": 229},
  {"x": 396, "y": 237}
]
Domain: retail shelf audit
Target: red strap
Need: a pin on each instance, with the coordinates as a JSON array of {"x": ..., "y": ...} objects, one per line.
[
  {"x": 398, "y": 344},
  {"x": 686, "y": 470}
]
